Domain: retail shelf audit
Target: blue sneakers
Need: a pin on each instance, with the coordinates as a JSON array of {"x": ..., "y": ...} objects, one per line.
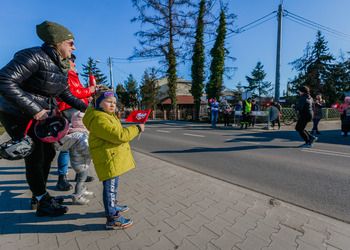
[
  {"x": 122, "y": 209},
  {"x": 117, "y": 222}
]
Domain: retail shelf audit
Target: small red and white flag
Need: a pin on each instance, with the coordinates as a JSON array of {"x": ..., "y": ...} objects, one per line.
[
  {"x": 92, "y": 80},
  {"x": 335, "y": 106},
  {"x": 138, "y": 116}
]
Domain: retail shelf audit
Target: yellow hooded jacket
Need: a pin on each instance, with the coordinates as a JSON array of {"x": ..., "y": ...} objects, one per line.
[{"x": 109, "y": 143}]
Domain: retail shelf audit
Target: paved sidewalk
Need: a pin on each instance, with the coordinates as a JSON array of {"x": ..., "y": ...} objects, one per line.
[{"x": 172, "y": 208}]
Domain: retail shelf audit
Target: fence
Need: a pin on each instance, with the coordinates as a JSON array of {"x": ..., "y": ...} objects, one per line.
[{"x": 327, "y": 113}]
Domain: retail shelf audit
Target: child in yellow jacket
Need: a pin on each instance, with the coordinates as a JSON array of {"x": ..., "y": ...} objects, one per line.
[{"x": 111, "y": 154}]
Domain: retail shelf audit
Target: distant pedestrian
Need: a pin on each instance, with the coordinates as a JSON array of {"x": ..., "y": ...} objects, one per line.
[
  {"x": 226, "y": 112},
  {"x": 110, "y": 152},
  {"x": 255, "y": 107},
  {"x": 214, "y": 112},
  {"x": 319, "y": 103},
  {"x": 246, "y": 112},
  {"x": 346, "y": 121},
  {"x": 341, "y": 109},
  {"x": 239, "y": 106},
  {"x": 304, "y": 107},
  {"x": 279, "y": 108}
]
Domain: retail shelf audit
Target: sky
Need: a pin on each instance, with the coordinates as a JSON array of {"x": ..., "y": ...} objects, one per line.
[{"x": 102, "y": 29}]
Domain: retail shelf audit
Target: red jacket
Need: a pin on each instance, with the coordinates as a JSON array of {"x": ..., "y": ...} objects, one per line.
[{"x": 77, "y": 89}]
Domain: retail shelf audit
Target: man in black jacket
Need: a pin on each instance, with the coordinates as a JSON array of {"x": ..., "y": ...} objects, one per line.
[
  {"x": 28, "y": 85},
  {"x": 304, "y": 107}
]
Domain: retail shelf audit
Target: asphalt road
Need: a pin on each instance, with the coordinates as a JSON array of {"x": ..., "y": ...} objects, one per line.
[{"x": 269, "y": 162}]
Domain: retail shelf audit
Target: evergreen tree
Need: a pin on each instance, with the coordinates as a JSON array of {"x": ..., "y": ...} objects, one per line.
[
  {"x": 130, "y": 86},
  {"x": 121, "y": 93},
  {"x": 197, "y": 69},
  {"x": 314, "y": 68},
  {"x": 257, "y": 85},
  {"x": 150, "y": 90},
  {"x": 92, "y": 69},
  {"x": 215, "y": 85},
  {"x": 168, "y": 20}
]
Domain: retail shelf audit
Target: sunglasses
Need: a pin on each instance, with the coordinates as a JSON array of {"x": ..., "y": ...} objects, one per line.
[{"x": 70, "y": 43}]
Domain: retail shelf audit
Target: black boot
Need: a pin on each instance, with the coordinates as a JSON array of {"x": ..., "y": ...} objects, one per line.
[
  {"x": 63, "y": 184},
  {"x": 47, "y": 206},
  {"x": 34, "y": 202},
  {"x": 88, "y": 179}
]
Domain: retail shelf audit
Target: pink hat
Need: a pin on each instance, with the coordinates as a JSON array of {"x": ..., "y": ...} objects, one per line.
[{"x": 347, "y": 98}]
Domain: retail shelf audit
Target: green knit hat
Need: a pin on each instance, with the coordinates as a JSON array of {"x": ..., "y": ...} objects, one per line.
[{"x": 53, "y": 33}]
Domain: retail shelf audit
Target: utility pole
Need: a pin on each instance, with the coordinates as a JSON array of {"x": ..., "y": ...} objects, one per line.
[
  {"x": 278, "y": 56},
  {"x": 111, "y": 72}
]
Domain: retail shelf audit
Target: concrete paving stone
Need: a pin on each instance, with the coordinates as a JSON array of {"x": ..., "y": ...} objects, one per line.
[
  {"x": 206, "y": 202},
  {"x": 118, "y": 237},
  {"x": 158, "y": 206},
  {"x": 185, "y": 193},
  {"x": 68, "y": 245},
  {"x": 139, "y": 242},
  {"x": 338, "y": 240},
  {"x": 173, "y": 209},
  {"x": 136, "y": 216},
  {"x": 218, "y": 225},
  {"x": 192, "y": 199},
  {"x": 158, "y": 231},
  {"x": 232, "y": 196},
  {"x": 173, "y": 199},
  {"x": 296, "y": 220},
  {"x": 86, "y": 240},
  {"x": 252, "y": 242},
  {"x": 192, "y": 210},
  {"x": 8, "y": 238},
  {"x": 231, "y": 215},
  {"x": 328, "y": 247},
  {"x": 26, "y": 240},
  {"x": 260, "y": 207},
  {"x": 143, "y": 195},
  {"x": 242, "y": 206},
  {"x": 241, "y": 228},
  {"x": 176, "y": 220},
  {"x": 211, "y": 212},
  {"x": 92, "y": 246},
  {"x": 313, "y": 238},
  {"x": 343, "y": 228},
  {"x": 223, "y": 205},
  {"x": 124, "y": 200},
  {"x": 271, "y": 221},
  {"x": 163, "y": 244},
  {"x": 279, "y": 245},
  {"x": 50, "y": 243},
  {"x": 141, "y": 205},
  {"x": 286, "y": 235},
  {"x": 187, "y": 245},
  {"x": 304, "y": 246},
  {"x": 227, "y": 240},
  {"x": 130, "y": 194},
  {"x": 251, "y": 218},
  {"x": 203, "y": 237},
  {"x": 197, "y": 222},
  {"x": 178, "y": 235},
  {"x": 279, "y": 211},
  {"x": 263, "y": 231},
  {"x": 138, "y": 227},
  {"x": 317, "y": 225},
  {"x": 9, "y": 218},
  {"x": 211, "y": 246},
  {"x": 158, "y": 217}
]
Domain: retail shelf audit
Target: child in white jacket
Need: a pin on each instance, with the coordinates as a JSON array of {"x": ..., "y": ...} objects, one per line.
[{"x": 76, "y": 141}]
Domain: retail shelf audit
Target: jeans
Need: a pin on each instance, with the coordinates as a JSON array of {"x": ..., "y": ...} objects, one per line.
[
  {"x": 38, "y": 163},
  {"x": 315, "y": 127},
  {"x": 63, "y": 162},
  {"x": 214, "y": 117},
  {"x": 110, "y": 196}
]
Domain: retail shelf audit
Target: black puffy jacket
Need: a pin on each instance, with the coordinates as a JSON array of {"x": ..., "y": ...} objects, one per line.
[
  {"x": 31, "y": 80},
  {"x": 305, "y": 107}
]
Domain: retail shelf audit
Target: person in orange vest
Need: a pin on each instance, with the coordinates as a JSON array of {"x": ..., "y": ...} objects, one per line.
[{"x": 246, "y": 112}]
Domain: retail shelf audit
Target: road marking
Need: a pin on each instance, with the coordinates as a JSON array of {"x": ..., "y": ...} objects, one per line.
[
  {"x": 163, "y": 131},
  {"x": 326, "y": 152},
  {"x": 194, "y": 135},
  {"x": 249, "y": 142}
]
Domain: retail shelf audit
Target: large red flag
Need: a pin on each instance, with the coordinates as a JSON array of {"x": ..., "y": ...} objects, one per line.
[{"x": 138, "y": 116}]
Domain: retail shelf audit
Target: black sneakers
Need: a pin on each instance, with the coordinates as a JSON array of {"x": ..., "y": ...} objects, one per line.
[
  {"x": 48, "y": 206},
  {"x": 34, "y": 202},
  {"x": 63, "y": 184}
]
